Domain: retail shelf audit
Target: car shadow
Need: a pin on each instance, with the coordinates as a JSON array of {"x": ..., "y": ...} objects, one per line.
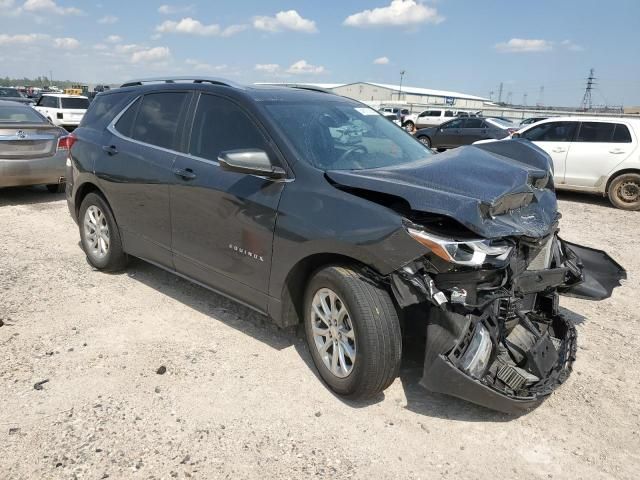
[
  {"x": 11, "y": 196},
  {"x": 582, "y": 197}
]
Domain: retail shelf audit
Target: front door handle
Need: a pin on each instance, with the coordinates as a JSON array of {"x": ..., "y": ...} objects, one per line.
[
  {"x": 558, "y": 150},
  {"x": 616, "y": 151},
  {"x": 185, "y": 174},
  {"x": 110, "y": 149}
]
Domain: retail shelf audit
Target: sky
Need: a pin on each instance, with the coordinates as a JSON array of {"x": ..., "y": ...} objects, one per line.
[{"x": 461, "y": 45}]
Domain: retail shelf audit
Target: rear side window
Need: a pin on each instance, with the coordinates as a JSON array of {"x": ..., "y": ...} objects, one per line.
[
  {"x": 221, "y": 125},
  {"x": 75, "y": 103},
  {"x": 621, "y": 134},
  {"x": 600, "y": 132},
  {"x": 551, "y": 132},
  {"x": 473, "y": 123},
  {"x": 102, "y": 110},
  {"x": 124, "y": 125},
  {"x": 448, "y": 113},
  {"x": 158, "y": 119}
]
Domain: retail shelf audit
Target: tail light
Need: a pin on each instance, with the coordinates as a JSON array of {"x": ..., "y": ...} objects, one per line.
[{"x": 66, "y": 142}]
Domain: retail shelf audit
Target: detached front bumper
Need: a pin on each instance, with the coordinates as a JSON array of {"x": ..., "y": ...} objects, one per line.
[{"x": 495, "y": 336}]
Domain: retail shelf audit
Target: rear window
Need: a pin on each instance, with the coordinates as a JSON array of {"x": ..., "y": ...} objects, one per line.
[
  {"x": 19, "y": 114},
  {"x": 75, "y": 103},
  {"x": 9, "y": 92},
  {"x": 473, "y": 123}
]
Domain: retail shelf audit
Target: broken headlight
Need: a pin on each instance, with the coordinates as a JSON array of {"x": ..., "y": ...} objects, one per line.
[{"x": 468, "y": 252}]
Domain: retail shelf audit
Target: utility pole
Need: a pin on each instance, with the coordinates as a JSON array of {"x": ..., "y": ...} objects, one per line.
[
  {"x": 586, "y": 99},
  {"x": 402, "y": 72},
  {"x": 509, "y": 97},
  {"x": 524, "y": 99},
  {"x": 491, "y": 95},
  {"x": 500, "y": 93},
  {"x": 540, "y": 101},
  {"x": 50, "y": 77}
]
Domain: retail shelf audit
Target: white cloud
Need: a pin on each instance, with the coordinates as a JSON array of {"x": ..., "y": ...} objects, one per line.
[
  {"x": 205, "y": 67},
  {"x": 25, "y": 38},
  {"x": 573, "y": 47},
  {"x": 301, "y": 67},
  {"x": 522, "y": 45},
  {"x": 66, "y": 43},
  {"x": 289, "y": 20},
  {"x": 6, "y": 3},
  {"x": 108, "y": 20},
  {"x": 267, "y": 67},
  {"x": 173, "y": 9},
  {"x": 114, "y": 39},
  {"x": 131, "y": 47},
  {"x": 49, "y": 6},
  {"x": 190, "y": 26},
  {"x": 397, "y": 13},
  {"x": 151, "y": 55},
  {"x": 381, "y": 61}
]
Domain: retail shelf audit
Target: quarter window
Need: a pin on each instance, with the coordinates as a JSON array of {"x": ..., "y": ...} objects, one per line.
[
  {"x": 551, "y": 132},
  {"x": 621, "y": 134},
  {"x": 125, "y": 124},
  {"x": 221, "y": 125},
  {"x": 600, "y": 132},
  {"x": 158, "y": 119}
]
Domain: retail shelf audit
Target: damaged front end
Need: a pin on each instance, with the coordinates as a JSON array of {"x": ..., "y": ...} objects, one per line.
[{"x": 494, "y": 334}]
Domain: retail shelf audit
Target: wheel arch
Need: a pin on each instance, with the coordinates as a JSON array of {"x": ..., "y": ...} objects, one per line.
[
  {"x": 294, "y": 287},
  {"x": 84, "y": 190},
  {"x": 616, "y": 174}
]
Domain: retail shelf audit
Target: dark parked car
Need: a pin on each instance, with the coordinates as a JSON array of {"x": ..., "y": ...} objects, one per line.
[
  {"x": 464, "y": 131},
  {"x": 528, "y": 121},
  {"x": 311, "y": 207},
  {"x": 32, "y": 151},
  {"x": 14, "y": 95}
]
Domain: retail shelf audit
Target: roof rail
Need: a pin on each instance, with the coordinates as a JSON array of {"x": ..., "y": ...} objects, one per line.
[
  {"x": 302, "y": 86},
  {"x": 186, "y": 79}
]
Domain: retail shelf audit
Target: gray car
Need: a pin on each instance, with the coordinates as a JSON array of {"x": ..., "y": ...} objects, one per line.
[
  {"x": 464, "y": 131},
  {"x": 32, "y": 150}
]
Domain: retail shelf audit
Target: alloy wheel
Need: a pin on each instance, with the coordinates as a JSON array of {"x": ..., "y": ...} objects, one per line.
[
  {"x": 96, "y": 231},
  {"x": 333, "y": 333}
]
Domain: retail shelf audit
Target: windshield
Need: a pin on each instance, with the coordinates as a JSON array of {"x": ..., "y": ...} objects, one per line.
[
  {"x": 75, "y": 103},
  {"x": 9, "y": 92},
  {"x": 340, "y": 135},
  {"x": 19, "y": 114}
]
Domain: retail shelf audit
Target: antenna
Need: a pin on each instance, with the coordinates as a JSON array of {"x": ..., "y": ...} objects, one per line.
[{"x": 586, "y": 99}]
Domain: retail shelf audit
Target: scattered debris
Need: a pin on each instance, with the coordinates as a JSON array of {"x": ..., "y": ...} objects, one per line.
[
  {"x": 38, "y": 385},
  {"x": 161, "y": 370},
  {"x": 157, "y": 390},
  {"x": 14, "y": 430}
]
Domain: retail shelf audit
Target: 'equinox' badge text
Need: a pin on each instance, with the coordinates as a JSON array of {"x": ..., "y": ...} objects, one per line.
[{"x": 242, "y": 251}]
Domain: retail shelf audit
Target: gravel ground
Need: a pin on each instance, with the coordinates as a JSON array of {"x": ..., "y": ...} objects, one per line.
[{"x": 240, "y": 398}]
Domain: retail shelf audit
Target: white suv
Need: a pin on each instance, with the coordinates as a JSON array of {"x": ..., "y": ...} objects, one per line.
[
  {"x": 592, "y": 154},
  {"x": 428, "y": 118},
  {"x": 63, "y": 110}
]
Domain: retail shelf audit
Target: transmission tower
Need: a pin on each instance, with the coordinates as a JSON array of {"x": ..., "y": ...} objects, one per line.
[{"x": 586, "y": 99}]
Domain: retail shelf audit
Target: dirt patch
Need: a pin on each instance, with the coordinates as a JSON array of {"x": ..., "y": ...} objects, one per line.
[{"x": 239, "y": 398}]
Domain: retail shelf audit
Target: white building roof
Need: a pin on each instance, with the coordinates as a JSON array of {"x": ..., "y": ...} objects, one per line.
[{"x": 426, "y": 91}]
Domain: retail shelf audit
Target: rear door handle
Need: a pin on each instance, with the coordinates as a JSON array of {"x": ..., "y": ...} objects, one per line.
[
  {"x": 558, "y": 150},
  {"x": 616, "y": 151},
  {"x": 186, "y": 174},
  {"x": 110, "y": 149}
]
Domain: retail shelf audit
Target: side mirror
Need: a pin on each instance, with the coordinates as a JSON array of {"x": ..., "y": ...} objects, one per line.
[{"x": 251, "y": 162}]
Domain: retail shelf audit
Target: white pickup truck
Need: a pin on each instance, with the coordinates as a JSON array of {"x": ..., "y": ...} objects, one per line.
[{"x": 63, "y": 110}]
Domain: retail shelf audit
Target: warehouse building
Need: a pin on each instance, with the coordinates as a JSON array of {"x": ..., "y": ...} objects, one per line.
[{"x": 387, "y": 93}]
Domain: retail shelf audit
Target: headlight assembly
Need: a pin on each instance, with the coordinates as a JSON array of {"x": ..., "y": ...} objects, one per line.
[{"x": 469, "y": 252}]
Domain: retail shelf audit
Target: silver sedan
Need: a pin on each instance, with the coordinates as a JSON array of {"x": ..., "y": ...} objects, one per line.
[{"x": 32, "y": 151}]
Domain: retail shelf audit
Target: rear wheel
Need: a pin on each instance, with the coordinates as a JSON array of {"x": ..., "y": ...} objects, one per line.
[
  {"x": 624, "y": 191},
  {"x": 353, "y": 332},
  {"x": 425, "y": 141},
  {"x": 100, "y": 235},
  {"x": 56, "y": 187},
  {"x": 409, "y": 127}
]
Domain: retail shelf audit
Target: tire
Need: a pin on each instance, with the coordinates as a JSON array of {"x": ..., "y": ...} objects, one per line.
[
  {"x": 426, "y": 141},
  {"x": 409, "y": 127},
  {"x": 375, "y": 330},
  {"x": 112, "y": 257},
  {"x": 56, "y": 187},
  {"x": 624, "y": 191}
]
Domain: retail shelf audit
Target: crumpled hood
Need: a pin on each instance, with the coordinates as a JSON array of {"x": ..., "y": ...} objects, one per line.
[{"x": 484, "y": 188}]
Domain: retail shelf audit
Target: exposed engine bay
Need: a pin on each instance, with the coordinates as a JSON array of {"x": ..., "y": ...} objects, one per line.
[{"x": 494, "y": 334}]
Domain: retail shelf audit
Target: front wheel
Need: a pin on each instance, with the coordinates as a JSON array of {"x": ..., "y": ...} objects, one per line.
[
  {"x": 624, "y": 191},
  {"x": 353, "y": 332},
  {"x": 409, "y": 127},
  {"x": 100, "y": 235},
  {"x": 425, "y": 141}
]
